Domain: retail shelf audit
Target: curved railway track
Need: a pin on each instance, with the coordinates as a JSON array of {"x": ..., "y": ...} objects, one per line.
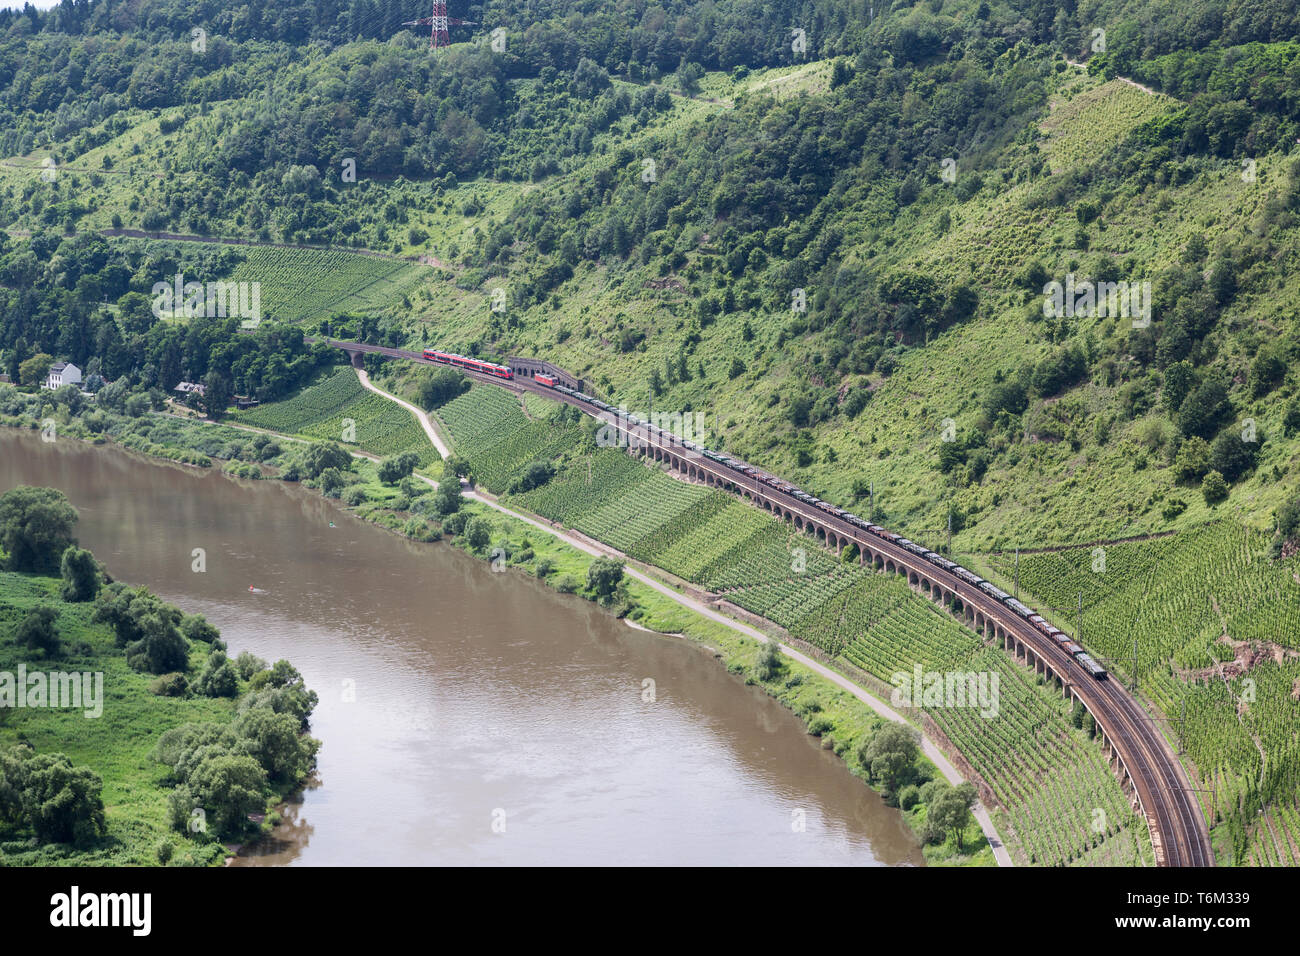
[{"x": 1179, "y": 835}]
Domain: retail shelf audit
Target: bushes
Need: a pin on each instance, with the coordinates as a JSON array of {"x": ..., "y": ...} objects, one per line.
[
  {"x": 1231, "y": 455},
  {"x": 1214, "y": 488},
  {"x": 37, "y": 630},
  {"x": 61, "y": 803},
  {"x": 1203, "y": 409},
  {"x": 889, "y": 756},
  {"x": 81, "y": 574},
  {"x": 219, "y": 677},
  {"x": 224, "y": 773},
  {"x": 171, "y": 685},
  {"x": 392, "y": 470},
  {"x": 35, "y": 528}
]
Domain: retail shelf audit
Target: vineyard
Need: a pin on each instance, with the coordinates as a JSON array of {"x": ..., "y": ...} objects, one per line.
[
  {"x": 491, "y": 432},
  {"x": 1054, "y": 794},
  {"x": 1218, "y": 626},
  {"x": 299, "y": 284},
  {"x": 325, "y": 410}
]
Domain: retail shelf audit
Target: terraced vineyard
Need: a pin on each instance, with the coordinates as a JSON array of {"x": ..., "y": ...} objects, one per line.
[
  {"x": 298, "y": 284},
  {"x": 1047, "y": 781},
  {"x": 491, "y": 432},
  {"x": 1219, "y": 632},
  {"x": 324, "y": 410}
]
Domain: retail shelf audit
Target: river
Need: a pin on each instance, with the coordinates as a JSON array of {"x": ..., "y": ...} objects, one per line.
[{"x": 467, "y": 717}]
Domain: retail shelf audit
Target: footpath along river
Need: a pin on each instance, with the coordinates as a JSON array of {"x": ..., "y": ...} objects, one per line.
[{"x": 454, "y": 700}]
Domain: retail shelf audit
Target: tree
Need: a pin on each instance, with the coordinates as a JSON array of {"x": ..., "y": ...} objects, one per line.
[
  {"x": 436, "y": 387},
  {"x": 161, "y": 647},
  {"x": 1231, "y": 456},
  {"x": 447, "y": 500},
  {"x": 228, "y": 787},
  {"x": 1214, "y": 488},
  {"x": 136, "y": 405},
  {"x": 219, "y": 677},
  {"x": 217, "y": 393},
  {"x": 949, "y": 813},
  {"x": 890, "y": 755},
  {"x": 82, "y": 576},
  {"x": 322, "y": 455},
  {"x": 1202, "y": 410},
  {"x": 688, "y": 78},
  {"x": 1180, "y": 379},
  {"x": 35, "y": 528},
  {"x": 737, "y": 368},
  {"x": 36, "y": 631},
  {"x": 535, "y": 475},
  {"x": 768, "y": 663},
  {"x": 394, "y": 469},
  {"x": 196, "y": 627},
  {"x": 36, "y": 369},
  {"x": 63, "y": 803},
  {"x": 275, "y": 742},
  {"x": 604, "y": 576},
  {"x": 478, "y": 533},
  {"x": 1193, "y": 459}
]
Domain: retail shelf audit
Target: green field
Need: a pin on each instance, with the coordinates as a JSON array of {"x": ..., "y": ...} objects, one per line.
[{"x": 339, "y": 408}]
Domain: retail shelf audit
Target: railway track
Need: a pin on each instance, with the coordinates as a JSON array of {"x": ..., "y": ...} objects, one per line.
[{"x": 1179, "y": 835}]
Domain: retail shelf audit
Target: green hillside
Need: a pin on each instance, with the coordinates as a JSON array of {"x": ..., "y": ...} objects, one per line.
[{"x": 833, "y": 230}]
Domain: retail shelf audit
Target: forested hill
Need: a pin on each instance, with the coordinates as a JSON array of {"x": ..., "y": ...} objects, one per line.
[{"x": 828, "y": 226}]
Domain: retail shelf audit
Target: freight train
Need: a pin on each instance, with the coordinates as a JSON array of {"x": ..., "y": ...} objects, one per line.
[{"x": 1062, "y": 640}]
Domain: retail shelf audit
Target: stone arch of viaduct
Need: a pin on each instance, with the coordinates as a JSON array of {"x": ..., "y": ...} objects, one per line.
[{"x": 990, "y": 628}]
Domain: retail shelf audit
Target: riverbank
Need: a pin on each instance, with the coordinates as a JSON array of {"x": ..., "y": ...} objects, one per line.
[
  {"x": 841, "y": 714},
  {"x": 152, "y": 814}
]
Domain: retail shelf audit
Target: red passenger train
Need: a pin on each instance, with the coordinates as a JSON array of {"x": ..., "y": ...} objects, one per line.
[{"x": 473, "y": 364}]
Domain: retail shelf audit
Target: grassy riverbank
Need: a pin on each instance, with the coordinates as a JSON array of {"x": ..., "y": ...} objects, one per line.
[{"x": 119, "y": 745}]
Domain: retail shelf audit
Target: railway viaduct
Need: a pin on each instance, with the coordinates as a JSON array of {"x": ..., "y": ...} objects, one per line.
[
  {"x": 992, "y": 626},
  {"x": 1140, "y": 757}
]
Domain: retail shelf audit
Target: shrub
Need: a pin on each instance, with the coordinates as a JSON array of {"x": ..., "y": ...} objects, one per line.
[
  {"x": 1231, "y": 456},
  {"x": 909, "y": 796},
  {"x": 248, "y": 664},
  {"x": 81, "y": 574},
  {"x": 219, "y": 677},
  {"x": 1214, "y": 488},
  {"x": 1193, "y": 459},
  {"x": 478, "y": 533},
  {"x": 820, "y": 724},
  {"x": 37, "y": 631},
  {"x": 171, "y": 685}
]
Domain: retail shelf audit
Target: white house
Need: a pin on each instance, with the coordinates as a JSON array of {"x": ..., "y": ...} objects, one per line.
[{"x": 63, "y": 373}]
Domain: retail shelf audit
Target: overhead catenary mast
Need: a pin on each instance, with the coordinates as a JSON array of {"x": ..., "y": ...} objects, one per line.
[{"x": 438, "y": 24}]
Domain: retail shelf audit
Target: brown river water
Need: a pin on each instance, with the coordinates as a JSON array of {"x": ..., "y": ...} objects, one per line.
[{"x": 468, "y": 717}]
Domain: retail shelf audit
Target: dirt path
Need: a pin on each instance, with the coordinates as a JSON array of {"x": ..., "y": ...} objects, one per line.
[
  {"x": 425, "y": 422},
  {"x": 1125, "y": 79}
]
